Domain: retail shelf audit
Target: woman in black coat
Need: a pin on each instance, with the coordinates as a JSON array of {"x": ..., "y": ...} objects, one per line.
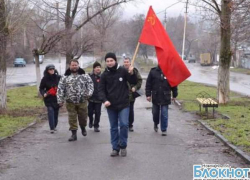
[{"x": 48, "y": 89}]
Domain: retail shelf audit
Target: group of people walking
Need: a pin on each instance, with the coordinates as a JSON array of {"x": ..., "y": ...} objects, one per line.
[{"x": 83, "y": 95}]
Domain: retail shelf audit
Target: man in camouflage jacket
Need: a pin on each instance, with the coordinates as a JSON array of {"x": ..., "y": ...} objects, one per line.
[{"x": 75, "y": 87}]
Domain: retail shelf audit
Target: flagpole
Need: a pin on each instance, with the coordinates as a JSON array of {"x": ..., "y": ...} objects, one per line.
[{"x": 136, "y": 51}]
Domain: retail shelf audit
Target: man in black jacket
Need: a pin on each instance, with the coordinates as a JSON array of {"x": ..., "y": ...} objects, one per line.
[
  {"x": 158, "y": 88},
  {"x": 95, "y": 103},
  {"x": 114, "y": 93}
]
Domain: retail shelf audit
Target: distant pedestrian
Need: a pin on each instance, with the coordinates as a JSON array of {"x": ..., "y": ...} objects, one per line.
[
  {"x": 132, "y": 91},
  {"x": 114, "y": 93},
  {"x": 75, "y": 87},
  {"x": 48, "y": 90},
  {"x": 95, "y": 102},
  {"x": 158, "y": 88}
]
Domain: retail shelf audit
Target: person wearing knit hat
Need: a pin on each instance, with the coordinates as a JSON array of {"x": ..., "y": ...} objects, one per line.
[
  {"x": 114, "y": 92},
  {"x": 48, "y": 90},
  {"x": 95, "y": 103},
  {"x": 96, "y": 64},
  {"x": 110, "y": 55}
]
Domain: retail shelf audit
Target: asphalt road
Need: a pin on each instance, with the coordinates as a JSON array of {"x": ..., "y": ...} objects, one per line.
[
  {"x": 38, "y": 155},
  {"x": 208, "y": 75},
  {"x": 27, "y": 75}
]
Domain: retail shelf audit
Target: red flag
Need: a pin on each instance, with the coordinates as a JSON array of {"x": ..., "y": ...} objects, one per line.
[{"x": 171, "y": 64}]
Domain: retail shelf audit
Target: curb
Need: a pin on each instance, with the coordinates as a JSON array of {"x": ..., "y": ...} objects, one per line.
[
  {"x": 238, "y": 151},
  {"x": 21, "y": 130}
]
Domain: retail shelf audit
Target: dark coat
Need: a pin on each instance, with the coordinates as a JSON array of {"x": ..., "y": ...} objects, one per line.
[
  {"x": 96, "y": 80},
  {"x": 114, "y": 87},
  {"x": 157, "y": 85},
  {"x": 48, "y": 82}
]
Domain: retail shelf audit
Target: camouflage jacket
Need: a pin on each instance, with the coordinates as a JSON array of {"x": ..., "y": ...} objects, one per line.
[
  {"x": 74, "y": 88},
  {"x": 137, "y": 86}
]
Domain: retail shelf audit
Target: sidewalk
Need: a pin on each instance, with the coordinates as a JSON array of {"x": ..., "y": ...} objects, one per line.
[{"x": 38, "y": 155}]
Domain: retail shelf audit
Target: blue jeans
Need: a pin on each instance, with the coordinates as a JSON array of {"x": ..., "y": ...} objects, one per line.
[
  {"x": 53, "y": 117},
  {"x": 119, "y": 137},
  {"x": 160, "y": 111}
]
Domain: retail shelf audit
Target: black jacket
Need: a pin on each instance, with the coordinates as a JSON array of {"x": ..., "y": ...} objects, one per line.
[
  {"x": 96, "y": 80},
  {"x": 48, "y": 82},
  {"x": 114, "y": 87},
  {"x": 157, "y": 85}
]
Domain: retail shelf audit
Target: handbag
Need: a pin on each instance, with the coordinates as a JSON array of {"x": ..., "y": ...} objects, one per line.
[{"x": 137, "y": 94}]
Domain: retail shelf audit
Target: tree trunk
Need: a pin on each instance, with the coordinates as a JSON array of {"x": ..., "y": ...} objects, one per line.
[
  {"x": 38, "y": 72},
  {"x": 68, "y": 28},
  {"x": 69, "y": 55},
  {"x": 3, "y": 45},
  {"x": 3, "y": 92},
  {"x": 234, "y": 55},
  {"x": 225, "y": 53},
  {"x": 188, "y": 49}
]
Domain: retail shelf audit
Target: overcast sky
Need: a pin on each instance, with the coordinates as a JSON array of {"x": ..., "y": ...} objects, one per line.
[{"x": 159, "y": 6}]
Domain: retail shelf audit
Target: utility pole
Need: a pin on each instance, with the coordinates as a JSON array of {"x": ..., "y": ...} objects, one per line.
[
  {"x": 58, "y": 28},
  {"x": 165, "y": 19},
  {"x": 24, "y": 38},
  {"x": 184, "y": 34}
]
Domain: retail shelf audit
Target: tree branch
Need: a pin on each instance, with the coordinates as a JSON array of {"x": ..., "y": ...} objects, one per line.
[{"x": 211, "y": 5}]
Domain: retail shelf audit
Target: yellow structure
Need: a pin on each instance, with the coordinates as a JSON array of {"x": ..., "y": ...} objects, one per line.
[{"x": 205, "y": 59}]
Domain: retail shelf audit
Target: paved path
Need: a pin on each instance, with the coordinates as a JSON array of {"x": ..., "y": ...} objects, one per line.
[{"x": 38, "y": 155}]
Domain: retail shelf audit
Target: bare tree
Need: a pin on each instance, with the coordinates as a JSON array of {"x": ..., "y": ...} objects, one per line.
[
  {"x": 222, "y": 13},
  {"x": 4, "y": 32},
  {"x": 134, "y": 29},
  {"x": 240, "y": 28},
  {"x": 208, "y": 39},
  {"x": 11, "y": 15},
  {"x": 91, "y": 10},
  {"x": 48, "y": 43},
  {"x": 47, "y": 35},
  {"x": 103, "y": 22}
]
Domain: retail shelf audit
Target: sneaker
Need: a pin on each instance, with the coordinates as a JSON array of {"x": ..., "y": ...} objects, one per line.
[
  {"x": 164, "y": 133},
  {"x": 123, "y": 152},
  {"x": 156, "y": 128},
  {"x": 131, "y": 129},
  {"x": 55, "y": 129},
  {"x": 52, "y": 131},
  {"x": 96, "y": 130},
  {"x": 114, "y": 153}
]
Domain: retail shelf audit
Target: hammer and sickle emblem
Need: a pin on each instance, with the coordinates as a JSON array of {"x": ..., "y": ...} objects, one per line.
[{"x": 151, "y": 19}]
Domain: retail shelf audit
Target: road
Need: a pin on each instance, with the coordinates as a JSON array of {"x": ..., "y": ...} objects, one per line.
[
  {"x": 27, "y": 75},
  {"x": 206, "y": 74},
  {"x": 36, "y": 154}
]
